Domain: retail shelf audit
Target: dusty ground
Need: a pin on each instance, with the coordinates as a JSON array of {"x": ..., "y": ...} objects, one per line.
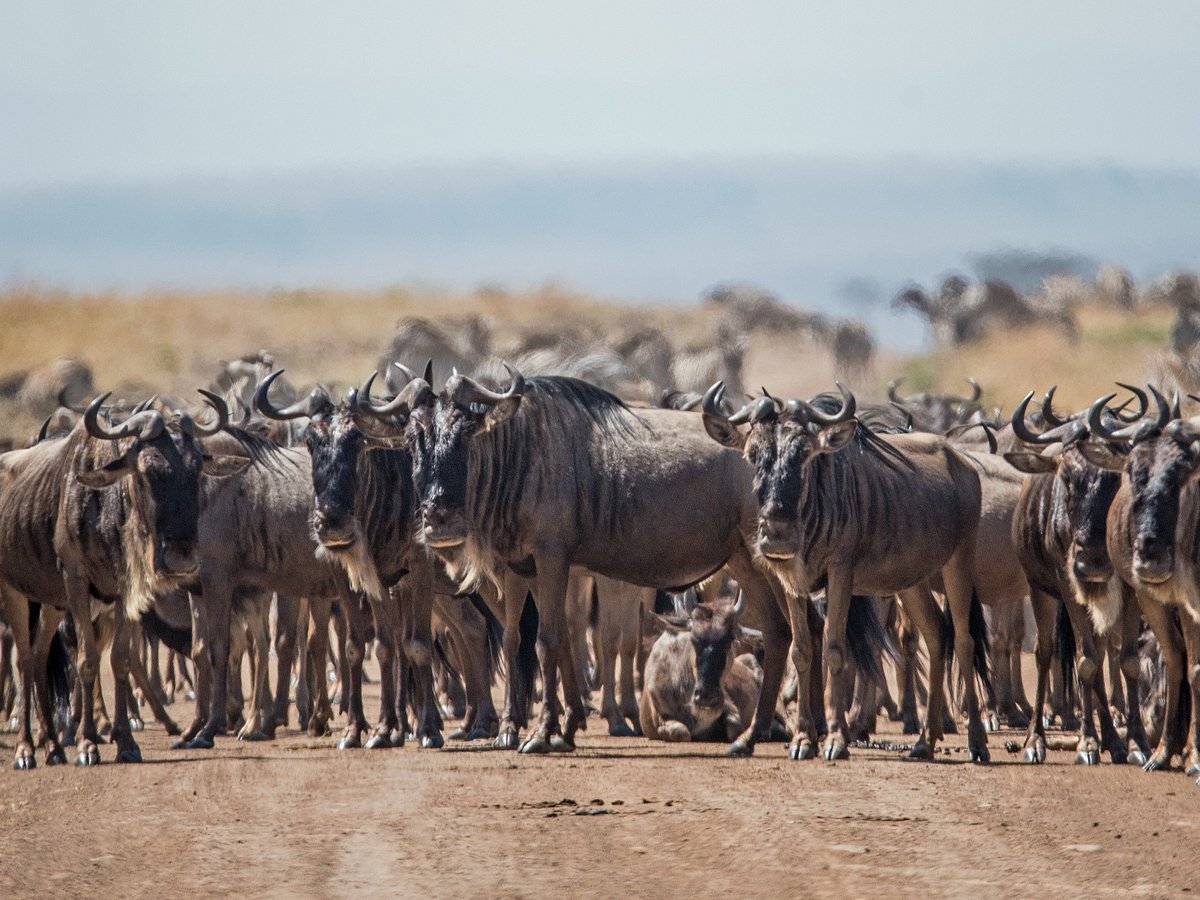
[{"x": 620, "y": 815}]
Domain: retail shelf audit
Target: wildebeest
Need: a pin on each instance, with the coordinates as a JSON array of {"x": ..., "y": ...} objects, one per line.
[
  {"x": 553, "y": 473},
  {"x": 105, "y": 513},
  {"x": 846, "y": 510},
  {"x": 1059, "y": 530},
  {"x": 696, "y": 687},
  {"x": 1154, "y": 543}
]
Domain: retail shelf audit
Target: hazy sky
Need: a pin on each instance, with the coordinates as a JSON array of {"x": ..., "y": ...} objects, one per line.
[{"x": 126, "y": 91}]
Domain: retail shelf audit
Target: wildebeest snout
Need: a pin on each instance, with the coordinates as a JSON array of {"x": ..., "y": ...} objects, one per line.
[{"x": 179, "y": 557}]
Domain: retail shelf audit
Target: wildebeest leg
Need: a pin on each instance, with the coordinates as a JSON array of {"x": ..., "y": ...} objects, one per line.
[
  {"x": 1171, "y": 643},
  {"x": 87, "y": 665},
  {"x": 804, "y": 735},
  {"x": 202, "y": 683},
  {"x": 468, "y": 636},
  {"x": 580, "y": 591},
  {"x": 1045, "y": 611},
  {"x": 259, "y": 626},
  {"x": 550, "y": 596},
  {"x": 316, "y": 660},
  {"x": 127, "y": 748},
  {"x": 143, "y": 680},
  {"x": 907, "y": 669},
  {"x": 387, "y": 613},
  {"x": 1116, "y": 692},
  {"x": 768, "y": 602},
  {"x": 47, "y": 628},
  {"x": 957, "y": 577},
  {"x": 287, "y": 610},
  {"x": 629, "y": 638},
  {"x": 928, "y": 619},
  {"x": 1002, "y": 621},
  {"x": 418, "y": 647},
  {"x": 356, "y": 630},
  {"x": 839, "y": 673},
  {"x": 1092, "y": 693},
  {"x": 340, "y": 635},
  {"x": 1016, "y": 645},
  {"x": 1131, "y": 626},
  {"x": 515, "y": 712},
  {"x": 16, "y": 612},
  {"x": 304, "y": 693},
  {"x": 1191, "y": 639},
  {"x": 217, "y": 601}
]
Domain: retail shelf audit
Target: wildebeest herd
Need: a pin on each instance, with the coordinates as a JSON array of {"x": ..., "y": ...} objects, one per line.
[{"x": 753, "y": 565}]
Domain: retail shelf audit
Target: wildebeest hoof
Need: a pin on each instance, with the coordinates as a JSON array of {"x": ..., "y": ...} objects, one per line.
[
  {"x": 912, "y": 725},
  {"x": 619, "y": 729},
  {"x": 1156, "y": 761},
  {"x": 1087, "y": 758},
  {"x": 1036, "y": 754},
  {"x": 14, "y": 725},
  {"x": 506, "y": 740},
  {"x": 25, "y": 759},
  {"x": 457, "y": 734},
  {"x": 349, "y": 742},
  {"x": 560, "y": 744},
  {"x": 136, "y": 723},
  {"x": 1118, "y": 755},
  {"x": 200, "y": 742},
  {"x": 804, "y": 749},
  {"x": 1136, "y": 758},
  {"x": 835, "y": 749},
  {"x": 378, "y": 742},
  {"x": 432, "y": 742},
  {"x": 921, "y": 750},
  {"x": 478, "y": 733},
  {"x": 56, "y": 757},
  {"x": 740, "y": 748},
  {"x": 190, "y": 696},
  {"x": 89, "y": 756},
  {"x": 991, "y": 722},
  {"x": 172, "y": 729},
  {"x": 129, "y": 755},
  {"x": 535, "y": 743},
  {"x": 1193, "y": 770},
  {"x": 255, "y": 735},
  {"x": 979, "y": 755}
]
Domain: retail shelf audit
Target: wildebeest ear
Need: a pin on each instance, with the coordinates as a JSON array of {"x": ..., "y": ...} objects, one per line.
[
  {"x": 224, "y": 465},
  {"x": 723, "y": 433},
  {"x": 107, "y": 475},
  {"x": 835, "y": 437},
  {"x": 1102, "y": 456},
  {"x": 1031, "y": 463},
  {"x": 499, "y": 414}
]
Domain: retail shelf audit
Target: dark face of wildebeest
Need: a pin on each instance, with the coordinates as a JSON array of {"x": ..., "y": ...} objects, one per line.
[
  {"x": 440, "y": 433},
  {"x": 1083, "y": 491},
  {"x": 1158, "y": 464},
  {"x": 163, "y": 463},
  {"x": 782, "y": 441}
]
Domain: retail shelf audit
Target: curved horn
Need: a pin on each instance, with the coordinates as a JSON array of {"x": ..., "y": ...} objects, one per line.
[
  {"x": 263, "y": 403},
  {"x": 61, "y": 399},
  {"x": 133, "y": 425},
  {"x": 849, "y": 405},
  {"x": 1021, "y": 427},
  {"x": 465, "y": 391},
  {"x": 739, "y": 605},
  {"x": 44, "y": 431},
  {"x": 976, "y": 390},
  {"x": 408, "y": 373},
  {"x": 1048, "y": 409},
  {"x": 892, "y": 385},
  {"x": 1142, "y": 399},
  {"x": 219, "y": 406},
  {"x": 428, "y": 376},
  {"x": 1096, "y": 421},
  {"x": 416, "y": 393}
]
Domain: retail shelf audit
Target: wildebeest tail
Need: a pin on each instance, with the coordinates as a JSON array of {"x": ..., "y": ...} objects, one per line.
[
  {"x": 494, "y": 629},
  {"x": 58, "y": 672},
  {"x": 868, "y": 640},
  {"x": 979, "y": 638},
  {"x": 178, "y": 639},
  {"x": 527, "y": 657}
]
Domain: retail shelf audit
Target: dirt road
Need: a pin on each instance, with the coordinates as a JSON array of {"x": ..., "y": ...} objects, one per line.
[{"x": 620, "y": 816}]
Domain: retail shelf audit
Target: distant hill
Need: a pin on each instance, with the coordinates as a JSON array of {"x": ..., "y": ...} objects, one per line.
[{"x": 842, "y": 236}]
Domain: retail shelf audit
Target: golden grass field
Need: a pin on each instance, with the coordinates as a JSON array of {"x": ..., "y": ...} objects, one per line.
[{"x": 171, "y": 340}]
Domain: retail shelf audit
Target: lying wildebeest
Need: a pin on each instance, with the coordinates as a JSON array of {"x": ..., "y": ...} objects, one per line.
[
  {"x": 1154, "y": 543},
  {"x": 554, "y": 473},
  {"x": 105, "y": 513},
  {"x": 696, "y": 688},
  {"x": 1059, "y": 530},
  {"x": 846, "y": 510}
]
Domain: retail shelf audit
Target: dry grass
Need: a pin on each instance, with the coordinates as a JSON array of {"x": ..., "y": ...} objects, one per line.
[{"x": 170, "y": 341}]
